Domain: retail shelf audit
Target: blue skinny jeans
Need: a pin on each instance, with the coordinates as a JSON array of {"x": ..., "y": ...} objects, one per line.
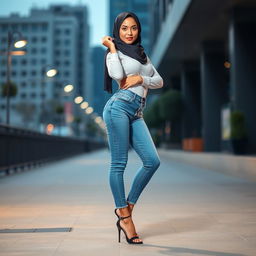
[{"x": 123, "y": 116}]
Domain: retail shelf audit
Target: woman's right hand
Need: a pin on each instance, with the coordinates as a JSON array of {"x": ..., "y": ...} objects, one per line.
[{"x": 108, "y": 41}]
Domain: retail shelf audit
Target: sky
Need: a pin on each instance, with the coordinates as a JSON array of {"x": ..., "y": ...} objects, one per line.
[{"x": 97, "y": 13}]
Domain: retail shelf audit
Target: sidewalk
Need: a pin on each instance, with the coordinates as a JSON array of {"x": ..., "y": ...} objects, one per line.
[{"x": 66, "y": 209}]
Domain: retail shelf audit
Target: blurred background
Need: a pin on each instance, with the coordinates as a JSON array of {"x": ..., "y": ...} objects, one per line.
[{"x": 51, "y": 69}]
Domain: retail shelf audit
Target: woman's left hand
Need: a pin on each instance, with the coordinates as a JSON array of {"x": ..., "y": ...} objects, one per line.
[{"x": 130, "y": 81}]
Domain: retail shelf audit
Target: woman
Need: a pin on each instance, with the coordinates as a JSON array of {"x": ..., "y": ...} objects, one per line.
[{"x": 127, "y": 63}]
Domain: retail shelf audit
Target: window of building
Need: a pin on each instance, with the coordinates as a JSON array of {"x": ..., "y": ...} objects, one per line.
[
  {"x": 57, "y": 31},
  {"x": 44, "y": 27},
  {"x": 57, "y": 42},
  {"x": 67, "y": 31},
  {"x": 23, "y": 62},
  {"x": 23, "y": 84},
  {"x": 67, "y": 42},
  {"x": 32, "y": 95},
  {"x": 34, "y": 27},
  {"x": 14, "y": 27},
  {"x": 67, "y": 63},
  {"x": 43, "y": 61},
  {"x": 66, "y": 73},
  {"x": 44, "y": 39},
  {"x": 33, "y": 61},
  {"x": 34, "y": 50},
  {"x": 24, "y": 27},
  {"x": 57, "y": 52},
  {"x": 67, "y": 52},
  {"x": 43, "y": 50},
  {"x": 57, "y": 63},
  {"x": 33, "y": 72},
  {"x": 23, "y": 95},
  {"x": 34, "y": 39},
  {"x": 23, "y": 73}
]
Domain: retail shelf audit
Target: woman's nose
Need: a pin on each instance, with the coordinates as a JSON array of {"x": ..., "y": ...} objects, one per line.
[{"x": 130, "y": 32}]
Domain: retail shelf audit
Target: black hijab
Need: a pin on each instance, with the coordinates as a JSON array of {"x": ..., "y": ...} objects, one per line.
[{"x": 134, "y": 50}]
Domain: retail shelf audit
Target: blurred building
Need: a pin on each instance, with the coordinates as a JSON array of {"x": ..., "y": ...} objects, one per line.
[
  {"x": 206, "y": 49},
  {"x": 58, "y": 37},
  {"x": 99, "y": 95}
]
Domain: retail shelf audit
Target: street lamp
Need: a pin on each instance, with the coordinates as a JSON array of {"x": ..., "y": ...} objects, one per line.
[
  {"x": 18, "y": 43},
  {"x": 78, "y": 99},
  {"x": 65, "y": 90},
  {"x": 46, "y": 71}
]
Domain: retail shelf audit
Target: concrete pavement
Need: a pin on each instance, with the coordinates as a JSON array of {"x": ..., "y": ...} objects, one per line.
[{"x": 66, "y": 208}]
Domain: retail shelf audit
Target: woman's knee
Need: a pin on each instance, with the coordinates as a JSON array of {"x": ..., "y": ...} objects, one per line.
[
  {"x": 118, "y": 164},
  {"x": 153, "y": 164}
]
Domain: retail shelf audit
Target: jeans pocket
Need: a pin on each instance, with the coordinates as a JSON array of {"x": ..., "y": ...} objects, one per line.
[{"x": 124, "y": 97}]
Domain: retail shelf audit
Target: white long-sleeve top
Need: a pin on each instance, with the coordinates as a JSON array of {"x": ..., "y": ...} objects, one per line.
[{"x": 120, "y": 65}]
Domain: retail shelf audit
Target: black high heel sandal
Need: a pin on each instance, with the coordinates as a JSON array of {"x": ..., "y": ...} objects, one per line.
[{"x": 129, "y": 240}]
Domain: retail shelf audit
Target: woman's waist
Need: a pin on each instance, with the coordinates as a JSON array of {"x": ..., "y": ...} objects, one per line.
[{"x": 131, "y": 94}]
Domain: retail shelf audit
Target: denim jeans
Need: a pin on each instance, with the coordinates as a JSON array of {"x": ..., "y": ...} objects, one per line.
[{"x": 125, "y": 126}]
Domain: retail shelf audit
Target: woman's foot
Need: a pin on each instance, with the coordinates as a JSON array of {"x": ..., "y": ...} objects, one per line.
[
  {"x": 127, "y": 224},
  {"x": 130, "y": 208}
]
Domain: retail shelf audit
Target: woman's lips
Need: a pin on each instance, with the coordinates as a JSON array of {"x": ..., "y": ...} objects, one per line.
[{"x": 129, "y": 38}]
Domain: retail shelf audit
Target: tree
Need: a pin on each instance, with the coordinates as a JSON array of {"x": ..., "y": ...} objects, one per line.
[
  {"x": 170, "y": 105},
  {"x": 152, "y": 115},
  {"x": 27, "y": 111},
  {"x": 12, "y": 89}
]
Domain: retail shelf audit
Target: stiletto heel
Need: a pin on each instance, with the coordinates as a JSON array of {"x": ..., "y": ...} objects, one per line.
[
  {"x": 119, "y": 233},
  {"x": 129, "y": 240}
]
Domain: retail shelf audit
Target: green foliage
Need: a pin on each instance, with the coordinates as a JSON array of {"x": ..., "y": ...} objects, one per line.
[
  {"x": 237, "y": 121},
  {"x": 77, "y": 119},
  {"x": 152, "y": 115},
  {"x": 12, "y": 89},
  {"x": 170, "y": 105},
  {"x": 59, "y": 109},
  {"x": 91, "y": 128}
]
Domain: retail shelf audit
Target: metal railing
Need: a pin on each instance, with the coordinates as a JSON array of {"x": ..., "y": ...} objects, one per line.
[{"x": 22, "y": 148}]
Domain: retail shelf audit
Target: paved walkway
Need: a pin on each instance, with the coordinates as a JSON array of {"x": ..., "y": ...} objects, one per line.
[{"x": 183, "y": 211}]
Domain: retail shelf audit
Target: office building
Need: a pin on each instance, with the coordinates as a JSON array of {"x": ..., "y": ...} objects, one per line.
[
  {"x": 58, "y": 37},
  {"x": 206, "y": 50}
]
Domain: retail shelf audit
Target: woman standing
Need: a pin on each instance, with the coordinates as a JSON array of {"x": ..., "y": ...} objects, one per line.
[{"x": 127, "y": 63}]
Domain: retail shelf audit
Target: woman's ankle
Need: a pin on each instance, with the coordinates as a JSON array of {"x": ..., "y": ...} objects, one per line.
[{"x": 130, "y": 206}]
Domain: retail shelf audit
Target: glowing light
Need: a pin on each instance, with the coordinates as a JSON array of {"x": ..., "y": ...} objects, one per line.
[
  {"x": 18, "y": 53},
  {"x": 98, "y": 119},
  {"x": 89, "y": 110},
  {"x": 84, "y": 105},
  {"x": 68, "y": 88},
  {"x": 227, "y": 64},
  {"x": 78, "y": 99},
  {"x": 52, "y": 72},
  {"x": 49, "y": 128},
  {"x": 20, "y": 43}
]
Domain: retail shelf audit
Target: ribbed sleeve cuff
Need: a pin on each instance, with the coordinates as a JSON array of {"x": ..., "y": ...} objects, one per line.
[
  {"x": 113, "y": 55},
  {"x": 146, "y": 81}
]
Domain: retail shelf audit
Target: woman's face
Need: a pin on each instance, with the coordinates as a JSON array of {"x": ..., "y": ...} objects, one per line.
[{"x": 128, "y": 32}]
